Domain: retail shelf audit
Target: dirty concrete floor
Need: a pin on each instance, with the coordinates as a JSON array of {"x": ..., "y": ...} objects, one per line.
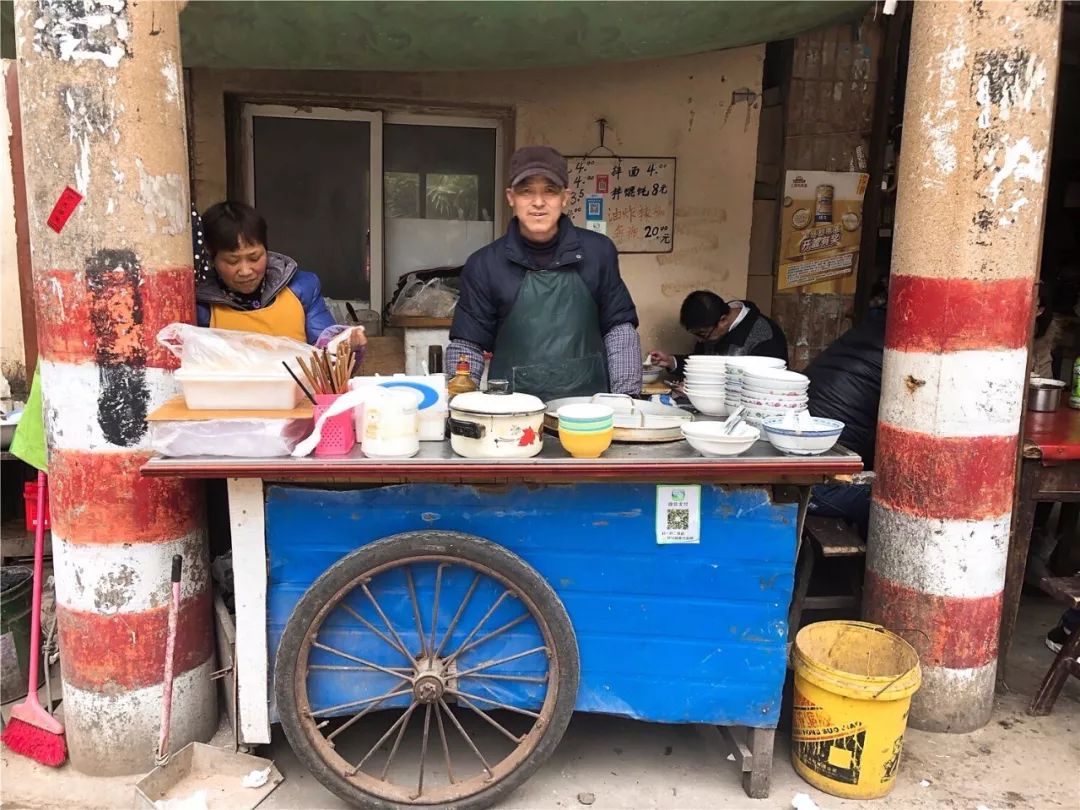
[{"x": 1017, "y": 761}]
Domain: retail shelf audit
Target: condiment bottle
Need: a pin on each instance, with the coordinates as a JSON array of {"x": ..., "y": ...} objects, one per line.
[
  {"x": 461, "y": 382},
  {"x": 1074, "y": 397}
]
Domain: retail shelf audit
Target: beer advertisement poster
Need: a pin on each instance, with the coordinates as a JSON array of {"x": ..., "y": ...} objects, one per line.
[{"x": 821, "y": 225}]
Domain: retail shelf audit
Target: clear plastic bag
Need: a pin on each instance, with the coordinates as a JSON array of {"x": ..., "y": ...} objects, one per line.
[
  {"x": 225, "y": 350},
  {"x": 430, "y": 299},
  {"x": 233, "y": 438}
]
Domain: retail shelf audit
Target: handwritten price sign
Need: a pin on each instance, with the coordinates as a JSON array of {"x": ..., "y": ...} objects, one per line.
[{"x": 634, "y": 196}]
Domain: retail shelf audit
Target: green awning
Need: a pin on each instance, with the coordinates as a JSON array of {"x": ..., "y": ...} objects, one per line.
[
  {"x": 452, "y": 35},
  {"x": 423, "y": 36}
]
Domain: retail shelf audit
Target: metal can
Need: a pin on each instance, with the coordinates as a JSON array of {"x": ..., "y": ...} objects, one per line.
[{"x": 823, "y": 203}]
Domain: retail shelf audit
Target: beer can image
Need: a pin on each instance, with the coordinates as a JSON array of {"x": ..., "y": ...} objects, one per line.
[{"x": 823, "y": 203}]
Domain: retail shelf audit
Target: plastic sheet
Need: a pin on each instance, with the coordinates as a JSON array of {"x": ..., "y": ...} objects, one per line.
[
  {"x": 431, "y": 299},
  {"x": 231, "y": 438},
  {"x": 225, "y": 350}
]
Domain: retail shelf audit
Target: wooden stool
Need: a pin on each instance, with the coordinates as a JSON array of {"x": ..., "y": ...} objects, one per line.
[
  {"x": 824, "y": 538},
  {"x": 1067, "y": 591}
]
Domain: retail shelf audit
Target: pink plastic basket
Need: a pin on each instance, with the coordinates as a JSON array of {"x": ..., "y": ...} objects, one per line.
[{"x": 338, "y": 433}]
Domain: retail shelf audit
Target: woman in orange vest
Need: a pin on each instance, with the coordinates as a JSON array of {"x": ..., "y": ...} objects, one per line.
[{"x": 251, "y": 289}]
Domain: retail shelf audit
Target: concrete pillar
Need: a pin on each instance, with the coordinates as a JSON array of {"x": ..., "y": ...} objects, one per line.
[
  {"x": 969, "y": 219},
  {"x": 103, "y": 116}
]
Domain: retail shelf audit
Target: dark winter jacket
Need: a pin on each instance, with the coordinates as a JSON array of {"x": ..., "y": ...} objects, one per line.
[
  {"x": 493, "y": 276},
  {"x": 845, "y": 384},
  {"x": 757, "y": 334},
  {"x": 281, "y": 272}
]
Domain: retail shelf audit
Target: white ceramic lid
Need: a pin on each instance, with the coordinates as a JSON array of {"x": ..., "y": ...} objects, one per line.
[{"x": 478, "y": 402}]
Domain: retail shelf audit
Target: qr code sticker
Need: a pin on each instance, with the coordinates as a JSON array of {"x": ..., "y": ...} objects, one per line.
[{"x": 678, "y": 519}]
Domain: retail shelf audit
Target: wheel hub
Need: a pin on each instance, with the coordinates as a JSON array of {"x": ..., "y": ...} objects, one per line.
[{"x": 429, "y": 689}]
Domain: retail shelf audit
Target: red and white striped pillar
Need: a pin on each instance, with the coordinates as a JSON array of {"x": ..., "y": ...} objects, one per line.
[
  {"x": 973, "y": 177},
  {"x": 107, "y": 186}
]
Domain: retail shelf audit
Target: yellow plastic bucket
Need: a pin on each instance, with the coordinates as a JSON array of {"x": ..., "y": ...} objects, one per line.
[{"x": 853, "y": 688}]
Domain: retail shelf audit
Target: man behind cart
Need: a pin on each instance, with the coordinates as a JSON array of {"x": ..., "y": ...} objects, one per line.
[
  {"x": 546, "y": 299},
  {"x": 845, "y": 384}
]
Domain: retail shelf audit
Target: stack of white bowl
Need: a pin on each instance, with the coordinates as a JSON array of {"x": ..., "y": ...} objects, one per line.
[
  {"x": 769, "y": 392},
  {"x": 706, "y": 378},
  {"x": 737, "y": 367}
]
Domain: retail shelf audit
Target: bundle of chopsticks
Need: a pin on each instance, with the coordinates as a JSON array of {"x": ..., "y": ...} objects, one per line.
[{"x": 326, "y": 372}]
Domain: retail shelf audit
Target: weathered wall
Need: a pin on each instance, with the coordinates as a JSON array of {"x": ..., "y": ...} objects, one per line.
[
  {"x": 12, "y": 347},
  {"x": 830, "y": 107},
  {"x": 682, "y": 107}
]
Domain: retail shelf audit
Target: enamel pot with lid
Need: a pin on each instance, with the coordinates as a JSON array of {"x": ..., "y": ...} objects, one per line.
[{"x": 496, "y": 424}]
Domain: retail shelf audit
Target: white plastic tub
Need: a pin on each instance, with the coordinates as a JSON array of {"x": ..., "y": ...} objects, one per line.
[{"x": 208, "y": 391}]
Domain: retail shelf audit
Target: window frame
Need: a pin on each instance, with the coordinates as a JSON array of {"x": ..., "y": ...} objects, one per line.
[{"x": 376, "y": 119}]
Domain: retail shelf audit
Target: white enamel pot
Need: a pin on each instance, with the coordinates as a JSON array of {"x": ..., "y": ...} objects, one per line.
[{"x": 496, "y": 424}]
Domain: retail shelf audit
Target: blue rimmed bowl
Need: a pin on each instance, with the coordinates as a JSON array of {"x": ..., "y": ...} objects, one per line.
[{"x": 816, "y": 438}]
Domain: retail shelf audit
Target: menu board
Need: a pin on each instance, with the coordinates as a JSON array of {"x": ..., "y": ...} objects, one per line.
[
  {"x": 631, "y": 199},
  {"x": 820, "y": 226}
]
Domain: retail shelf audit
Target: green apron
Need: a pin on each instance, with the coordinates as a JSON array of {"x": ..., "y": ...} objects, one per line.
[{"x": 550, "y": 344}]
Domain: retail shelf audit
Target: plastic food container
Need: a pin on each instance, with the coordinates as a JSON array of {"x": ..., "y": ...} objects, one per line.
[
  {"x": 207, "y": 391},
  {"x": 432, "y": 414}
]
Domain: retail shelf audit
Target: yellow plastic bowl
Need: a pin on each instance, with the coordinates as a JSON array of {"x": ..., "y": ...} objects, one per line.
[{"x": 586, "y": 445}]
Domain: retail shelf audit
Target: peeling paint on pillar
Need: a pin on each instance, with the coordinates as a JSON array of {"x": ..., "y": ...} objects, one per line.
[
  {"x": 64, "y": 303},
  {"x": 80, "y": 30},
  {"x": 977, "y": 124},
  {"x": 116, "y": 316}
]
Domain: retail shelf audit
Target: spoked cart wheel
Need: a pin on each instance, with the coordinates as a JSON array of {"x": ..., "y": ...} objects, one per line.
[{"x": 428, "y": 669}]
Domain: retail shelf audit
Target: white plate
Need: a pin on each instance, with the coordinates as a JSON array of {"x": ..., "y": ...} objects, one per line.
[
  {"x": 775, "y": 378},
  {"x": 773, "y": 404},
  {"x": 755, "y": 362},
  {"x": 708, "y": 359},
  {"x": 774, "y": 392},
  {"x": 706, "y": 382}
]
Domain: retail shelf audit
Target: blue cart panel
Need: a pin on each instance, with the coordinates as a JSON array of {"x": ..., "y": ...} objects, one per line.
[{"x": 687, "y": 633}]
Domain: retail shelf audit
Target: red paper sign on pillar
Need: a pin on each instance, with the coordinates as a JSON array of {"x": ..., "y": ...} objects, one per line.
[{"x": 64, "y": 208}]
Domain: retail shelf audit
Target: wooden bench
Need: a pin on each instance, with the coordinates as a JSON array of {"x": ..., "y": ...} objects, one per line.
[
  {"x": 1067, "y": 591},
  {"x": 824, "y": 539}
]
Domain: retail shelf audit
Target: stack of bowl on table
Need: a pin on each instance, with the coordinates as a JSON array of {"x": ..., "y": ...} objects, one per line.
[
  {"x": 769, "y": 392},
  {"x": 737, "y": 368},
  {"x": 773, "y": 399},
  {"x": 717, "y": 385},
  {"x": 586, "y": 429},
  {"x": 705, "y": 383}
]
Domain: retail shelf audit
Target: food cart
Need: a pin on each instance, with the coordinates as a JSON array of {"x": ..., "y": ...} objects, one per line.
[{"x": 424, "y": 628}]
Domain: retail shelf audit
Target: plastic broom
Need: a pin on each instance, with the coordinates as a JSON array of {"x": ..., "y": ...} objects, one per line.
[{"x": 33, "y": 732}]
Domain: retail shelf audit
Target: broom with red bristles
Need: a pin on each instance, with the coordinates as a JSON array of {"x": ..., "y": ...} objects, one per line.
[{"x": 33, "y": 732}]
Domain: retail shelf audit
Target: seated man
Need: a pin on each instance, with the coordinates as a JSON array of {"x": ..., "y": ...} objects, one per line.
[
  {"x": 736, "y": 328},
  {"x": 845, "y": 384}
]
